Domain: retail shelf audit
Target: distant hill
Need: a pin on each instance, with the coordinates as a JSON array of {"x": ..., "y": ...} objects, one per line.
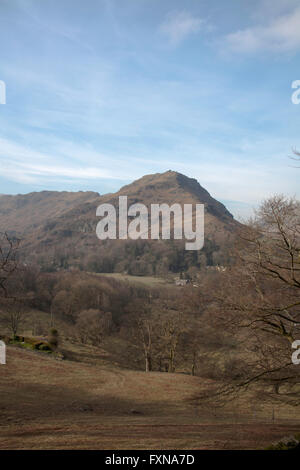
[
  {"x": 58, "y": 229},
  {"x": 24, "y": 213}
]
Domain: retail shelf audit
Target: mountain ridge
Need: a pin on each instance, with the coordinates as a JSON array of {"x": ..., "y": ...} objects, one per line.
[{"x": 61, "y": 226}]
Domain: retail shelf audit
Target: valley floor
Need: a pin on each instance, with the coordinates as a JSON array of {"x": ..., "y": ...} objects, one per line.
[{"x": 51, "y": 404}]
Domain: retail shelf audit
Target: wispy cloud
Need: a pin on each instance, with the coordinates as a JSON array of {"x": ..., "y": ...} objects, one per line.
[
  {"x": 281, "y": 34},
  {"x": 22, "y": 164},
  {"x": 97, "y": 100},
  {"x": 179, "y": 25}
]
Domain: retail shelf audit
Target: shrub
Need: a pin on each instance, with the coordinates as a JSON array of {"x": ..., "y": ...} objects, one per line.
[
  {"x": 288, "y": 443},
  {"x": 45, "y": 347}
]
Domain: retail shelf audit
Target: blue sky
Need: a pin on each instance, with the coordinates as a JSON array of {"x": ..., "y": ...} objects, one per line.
[{"x": 101, "y": 92}]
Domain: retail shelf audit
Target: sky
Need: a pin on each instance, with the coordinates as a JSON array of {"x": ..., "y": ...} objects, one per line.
[{"x": 102, "y": 92}]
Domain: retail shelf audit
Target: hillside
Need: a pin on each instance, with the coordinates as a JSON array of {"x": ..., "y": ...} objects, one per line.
[
  {"x": 58, "y": 229},
  {"x": 24, "y": 213},
  {"x": 171, "y": 187},
  {"x": 77, "y": 405}
]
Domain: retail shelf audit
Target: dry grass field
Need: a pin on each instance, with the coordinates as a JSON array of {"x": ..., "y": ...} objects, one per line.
[
  {"x": 148, "y": 281},
  {"x": 89, "y": 403}
]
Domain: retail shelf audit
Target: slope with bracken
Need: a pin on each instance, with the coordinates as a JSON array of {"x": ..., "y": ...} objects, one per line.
[{"x": 58, "y": 229}]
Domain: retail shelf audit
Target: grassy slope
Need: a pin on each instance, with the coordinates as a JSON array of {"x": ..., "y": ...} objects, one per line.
[
  {"x": 148, "y": 281},
  {"x": 45, "y": 403}
]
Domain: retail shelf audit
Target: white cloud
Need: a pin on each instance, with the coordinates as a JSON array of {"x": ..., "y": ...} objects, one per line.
[
  {"x": 24, "y": 165},
  {"x": 179, "y": 25},
  {"x": 282, "y": 34}
]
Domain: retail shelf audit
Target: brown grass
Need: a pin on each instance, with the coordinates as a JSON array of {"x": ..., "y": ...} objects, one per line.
[
  {"x": 50, "y": 404},
  {"x": 148, "y": 281}
]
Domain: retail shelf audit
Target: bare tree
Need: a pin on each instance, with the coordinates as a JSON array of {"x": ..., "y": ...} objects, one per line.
[
  {"x": 297, "y": 155},
  {"x": 260, "y": 297},
  {"x": 171, "y": 328},
  {"x": 146, "y": 328},
  {"x": 155, "y": 331},
  {"x": 271, "y": 262},
  {"x": 92, "y": 325},
  {"x": 13, "y": 316},
  {"x": 143, "y": 330},
  {"x": 8, "y": 260}
]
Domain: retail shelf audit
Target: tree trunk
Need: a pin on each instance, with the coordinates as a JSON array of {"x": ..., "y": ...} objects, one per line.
[
  {"x": 171, "y": 361},
  {"x": 148, "y": 362},
  {"x": 194, "y": 363}
]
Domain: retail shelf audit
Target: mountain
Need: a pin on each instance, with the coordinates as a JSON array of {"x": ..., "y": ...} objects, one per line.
[
  {"x": 171, "y": 187},
  {"x": 58, "y": 229},
  {"x": 24, "y": 213}
]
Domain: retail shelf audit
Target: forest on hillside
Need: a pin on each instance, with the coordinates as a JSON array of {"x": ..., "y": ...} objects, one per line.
[{"x": 235, "y": 326}]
